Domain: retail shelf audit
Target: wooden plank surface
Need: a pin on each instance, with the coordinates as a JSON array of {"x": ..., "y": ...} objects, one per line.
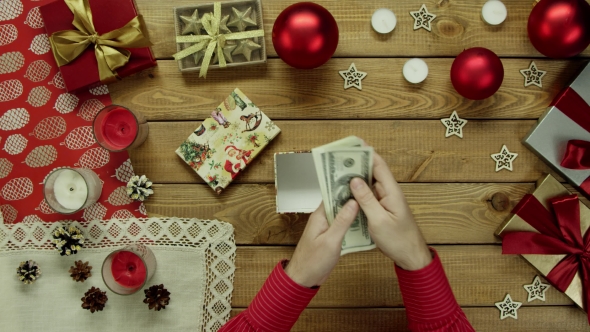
[
  {"x": 458, "y": 26},
  {"x": 479, "y": 275},
  {"x": 416, "y": 151},
  {"x": 451, "y": 185},
  {"x": 163, "y": 93},
  {"x": 461, "y": 213},
  {"x": 530, "y": 319}
]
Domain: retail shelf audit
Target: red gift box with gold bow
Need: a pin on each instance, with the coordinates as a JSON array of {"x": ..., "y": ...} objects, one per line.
[
  {"x": 562, "y": 136},
  {"x": 549, "y": 228},
  {"x": 96, "y": 42}
]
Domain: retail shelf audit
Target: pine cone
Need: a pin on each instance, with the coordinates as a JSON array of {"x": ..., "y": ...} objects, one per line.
[
  {"x": 94, "y": 300},
  {"x": 68, "y": 241},
  {"x": 157, "y": 297},
  {"x": 80, "y": 271},
  {"x": 28, "y": 272},
  {"x": 139, "y": 188}
]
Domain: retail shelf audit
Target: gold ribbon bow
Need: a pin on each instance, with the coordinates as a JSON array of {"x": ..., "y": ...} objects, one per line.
[
  {"x": 109, "y": 48},
  {"x": 212, "y": 40}
]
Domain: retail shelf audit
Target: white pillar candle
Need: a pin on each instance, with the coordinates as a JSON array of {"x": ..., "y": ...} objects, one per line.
[
  {"x": 494, "y": 12},
  {"x": 415, "y": 70},
  {"x": 70, "y": 189},
  {"x": 383, "y": 20}
]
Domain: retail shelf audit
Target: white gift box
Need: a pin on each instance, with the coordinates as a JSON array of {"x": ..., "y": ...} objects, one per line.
[{"x": 568, "y": 118}]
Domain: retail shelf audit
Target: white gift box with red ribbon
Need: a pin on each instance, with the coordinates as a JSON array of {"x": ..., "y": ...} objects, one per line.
[{"x": 562, "y": 136}]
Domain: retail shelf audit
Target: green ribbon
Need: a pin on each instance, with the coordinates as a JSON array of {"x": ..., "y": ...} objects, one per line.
[{"x": 213, "y": 40}]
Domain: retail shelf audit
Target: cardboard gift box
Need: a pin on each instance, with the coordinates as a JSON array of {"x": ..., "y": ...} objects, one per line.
[
  {"x": 296, "y": 183},
  {"x": 548, "y": 229},
  {"x": 562, "y": 134},
  {"x": 187, "y": 63},
  {"x": 107, "y": 15},
  {"x": 225, "y": 143}
]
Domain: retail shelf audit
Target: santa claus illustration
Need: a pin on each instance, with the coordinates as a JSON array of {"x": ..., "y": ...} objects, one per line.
[{"x": 236, "y": 159}]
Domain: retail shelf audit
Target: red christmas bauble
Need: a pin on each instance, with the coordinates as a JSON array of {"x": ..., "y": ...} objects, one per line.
[
  {"x": 477, "y": 73},
  {"x": 305, "y": 35},
  {"x": 560, "y": 28}
]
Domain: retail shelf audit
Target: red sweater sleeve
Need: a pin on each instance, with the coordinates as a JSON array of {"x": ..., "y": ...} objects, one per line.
[
  {"x": 276, "y": 307},
  {"x": 429, "y": 300}
]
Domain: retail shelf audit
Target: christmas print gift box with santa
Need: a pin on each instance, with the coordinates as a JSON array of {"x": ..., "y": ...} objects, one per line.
[
  {"x": 228, "y": 141},
  {"x": 562, "y": 136},
  {"x": 549, "y": 228},
  {"x": 96, "y": 41}
]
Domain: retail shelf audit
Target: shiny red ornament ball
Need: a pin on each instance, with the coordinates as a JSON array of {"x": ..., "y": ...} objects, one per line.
[
  {"x": 477, "y": 73},
  {"x": 305, "y": 35},
  {"x": 560, "y": 28}
]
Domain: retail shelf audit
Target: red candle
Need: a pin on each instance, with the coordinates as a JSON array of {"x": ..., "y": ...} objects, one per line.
[
  {"x": 119, "y": 128},
  {"x": 128, "y": 269}
]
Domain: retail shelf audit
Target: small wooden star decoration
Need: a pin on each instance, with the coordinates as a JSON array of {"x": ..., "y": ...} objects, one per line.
[
  {"x": 532, "y": 75},
  {"x": 508, "y": 307},
  {"x": 422, "y": 18},
  {"x": 454, "y": 125},
  {"x": 241, "y": 20},
  {"x": 192, "y": 23},
  {"x": 536, "y": 290},
  {"x": 246, "y": 47},
  {"x": 352, "y": 77},
  {"x": 504, "y": 159}
]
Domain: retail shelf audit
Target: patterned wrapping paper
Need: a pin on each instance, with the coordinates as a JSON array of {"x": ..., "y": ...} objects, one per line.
[
  {"x": 42, "y": 127},
  {"x": 228, "y": 141}
]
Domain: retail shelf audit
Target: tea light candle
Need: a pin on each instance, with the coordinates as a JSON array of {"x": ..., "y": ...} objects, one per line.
[
  {"x": 128, "y": 269},
  {"x": 383, "y": 20},
  {"x": 70, "y": 189},
  {"x": 494, "y": 12},
  {"x": 415, "y": 70}
]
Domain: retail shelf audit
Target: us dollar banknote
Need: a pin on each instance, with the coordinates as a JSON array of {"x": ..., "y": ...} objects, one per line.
[{"x": 337, "y": 164}]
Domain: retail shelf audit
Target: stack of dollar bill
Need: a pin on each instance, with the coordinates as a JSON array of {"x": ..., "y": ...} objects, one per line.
[{"x": 336, "y": 164}]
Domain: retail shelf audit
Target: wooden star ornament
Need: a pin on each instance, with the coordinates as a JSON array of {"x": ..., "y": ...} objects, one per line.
[
  {"x": 454, "y": 125},
  {"x": 536, "y": 290},
  {"x": 508, "y": 307},
  {"x": 352, "y": 77},
  {"x": 227, "y": 50},
  {"x": 532, "y": 75},
  {"x": 245, "y": 47},
  {"x": 223, "y": 25},
  {"x": 192, "y": 24},
  {"x": 422, "y": 18},
  {"x": 241, "y": 20},
  {"x": 504, "y": 159}
]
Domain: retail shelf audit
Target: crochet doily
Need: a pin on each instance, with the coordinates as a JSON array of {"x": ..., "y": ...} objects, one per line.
[{"x": 214, "y": 237}]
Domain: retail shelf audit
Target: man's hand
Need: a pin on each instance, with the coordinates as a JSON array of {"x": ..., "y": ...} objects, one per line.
[
  {"x": 319, "y": 248},
  {"x": 391, "y": 223}
]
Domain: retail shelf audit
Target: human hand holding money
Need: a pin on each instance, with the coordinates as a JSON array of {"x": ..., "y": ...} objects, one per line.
[{"x": 336, "y": 165}]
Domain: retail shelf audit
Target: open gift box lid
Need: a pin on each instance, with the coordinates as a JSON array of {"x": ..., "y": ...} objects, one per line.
[{"x": 296, "y": 183}]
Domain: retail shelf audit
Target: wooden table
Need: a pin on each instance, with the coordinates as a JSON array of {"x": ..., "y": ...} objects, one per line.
[{"x": 457, "y": 197}]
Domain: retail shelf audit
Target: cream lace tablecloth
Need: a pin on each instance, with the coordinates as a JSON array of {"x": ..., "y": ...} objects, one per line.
[{"x": 195, "y": 262}]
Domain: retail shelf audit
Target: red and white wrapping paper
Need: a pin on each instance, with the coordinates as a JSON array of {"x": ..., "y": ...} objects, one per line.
[
  {"x": 43, "y": 127},
  {"x": 566, "y": 120}
]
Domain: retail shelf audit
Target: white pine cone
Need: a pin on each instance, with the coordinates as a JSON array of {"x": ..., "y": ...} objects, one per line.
[{"x": 139, "y": 188}]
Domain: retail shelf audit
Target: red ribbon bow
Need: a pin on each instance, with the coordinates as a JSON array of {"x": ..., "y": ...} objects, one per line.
[
  {"x": 559, "y": 235},
  {"x": 577, "y": 155}
]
